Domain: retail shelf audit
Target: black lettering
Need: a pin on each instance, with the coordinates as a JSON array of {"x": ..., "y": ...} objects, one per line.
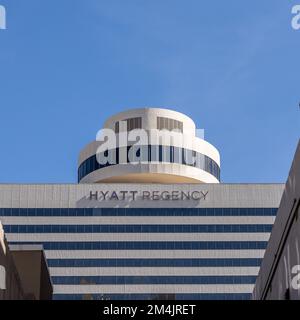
[
  {"x": 155, "y": 195},
  {"x": 93, "y": 195},
  {"x": 204, "y": 194},
  {"x": 146, "y": 195},
  {"x": 185, "y": 195},
  {"x": 195, "y": 197},
  {"x": 114, "y": 196},
  {"x": 165, "y": 195},
  {"x": 104, "y": 194},
  {"x": 123, "y": 193},
  {"x": 133, "y": 194},
  {"x": 175, "y": 195}
]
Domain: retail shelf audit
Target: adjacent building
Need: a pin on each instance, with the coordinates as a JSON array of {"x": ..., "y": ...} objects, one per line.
[
  {"x": 24, "y": 274},
  {"x": 279, "y": 276},
  {"x": 147, "y": 220}
]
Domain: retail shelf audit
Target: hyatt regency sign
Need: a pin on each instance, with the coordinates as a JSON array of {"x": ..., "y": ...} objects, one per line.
[{"x": 147, "y": 195}]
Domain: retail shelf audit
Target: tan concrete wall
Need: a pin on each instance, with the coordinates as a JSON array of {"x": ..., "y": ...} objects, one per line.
[{"x": 13, "y": 286}]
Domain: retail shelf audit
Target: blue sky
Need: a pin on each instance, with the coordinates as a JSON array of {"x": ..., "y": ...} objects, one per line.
[{"x": 67, "y": 65}]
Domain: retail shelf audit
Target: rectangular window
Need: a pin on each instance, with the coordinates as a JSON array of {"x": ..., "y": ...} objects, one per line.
[
  {"x": 169, "y": 124},
  {"x": 132, "y": 123},
  {"x": 117, "y": 127}
]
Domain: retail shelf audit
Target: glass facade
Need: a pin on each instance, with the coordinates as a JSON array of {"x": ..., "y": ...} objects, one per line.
[
  {"x": 137, "y": 228},
  {"x": 180, "y": 296},
  {"x": 158, "y": 280},
  {"x": 254, "y": 262},
  {"x": 150, "y": 245},
  {"x": 70, "y": 266},
  {"x": 90, "y": 212},
  {"x": 154, "y": 153}
]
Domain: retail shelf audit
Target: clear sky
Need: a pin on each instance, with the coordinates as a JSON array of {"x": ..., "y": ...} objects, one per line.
[{"x": 67, "y": 65}]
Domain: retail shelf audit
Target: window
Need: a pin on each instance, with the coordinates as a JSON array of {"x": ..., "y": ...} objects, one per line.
[
  {"x": 132, "y": 123},
  {"x": 117, "y": 127},
  {"x": 154, "y": 153},
  {"x": 169, "y": 124}
]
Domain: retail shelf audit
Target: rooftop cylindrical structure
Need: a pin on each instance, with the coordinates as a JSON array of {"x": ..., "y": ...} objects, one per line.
[{"x": 149, "y": 145}]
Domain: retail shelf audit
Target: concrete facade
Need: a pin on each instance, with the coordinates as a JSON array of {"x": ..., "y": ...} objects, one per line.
[
  {"x": 24, "y": 274},
  {"x": 224, "y": 230},
  {"x": 179, "y": 134},
  {"x": 10, "y": 283},
  {"x": 281, "y": 264}
]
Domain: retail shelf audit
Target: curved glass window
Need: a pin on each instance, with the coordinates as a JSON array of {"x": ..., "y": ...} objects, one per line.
[{"x": 151, "y": 153}]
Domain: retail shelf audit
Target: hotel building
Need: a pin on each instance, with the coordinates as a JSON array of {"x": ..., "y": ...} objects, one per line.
[{"x": 147, "y": 220}]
